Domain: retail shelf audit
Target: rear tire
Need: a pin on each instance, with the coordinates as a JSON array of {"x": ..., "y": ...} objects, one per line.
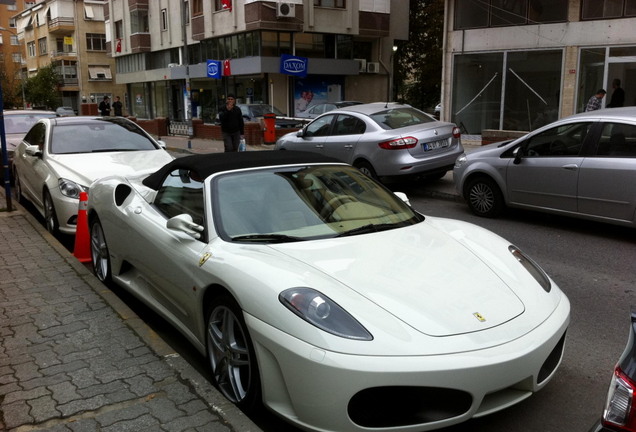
[
  {"x": 484, "y": 197},
  {"x": 366, "y": 168},
  {"x": 17, "y": 188}
]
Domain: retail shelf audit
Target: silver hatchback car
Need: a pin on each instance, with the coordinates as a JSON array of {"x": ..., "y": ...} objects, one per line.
[
  {"x": 583, "y": 166},
  {"x": 381, "y": 139}
]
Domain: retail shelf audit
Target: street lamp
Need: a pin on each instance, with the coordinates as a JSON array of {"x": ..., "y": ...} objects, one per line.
[
  {"x": 21, "y": 71},
  {"x": 391, "y": 72}
]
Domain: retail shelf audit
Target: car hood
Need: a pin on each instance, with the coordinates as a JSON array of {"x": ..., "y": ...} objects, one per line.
[
  {"x": 437, "y": 283},
  {"x": 85, "y": 168}
]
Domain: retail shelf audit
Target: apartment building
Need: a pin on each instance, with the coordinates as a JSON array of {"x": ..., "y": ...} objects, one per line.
[
  {"x": 516, "y": 65},
  {"x": 71, "y": 35},
  {"x": 287, "y": 54},
  {"x": 12, "y": 54}
]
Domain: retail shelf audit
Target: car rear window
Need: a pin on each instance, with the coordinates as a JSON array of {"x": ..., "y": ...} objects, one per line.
[
  {"x": 396, "y": 118},
  {"x": 21, "y": 123}
]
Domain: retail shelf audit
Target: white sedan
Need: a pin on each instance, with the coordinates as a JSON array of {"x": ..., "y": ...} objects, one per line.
[
  {"x": 60, "y": 157},
  {"x": 314, "y": 289}
]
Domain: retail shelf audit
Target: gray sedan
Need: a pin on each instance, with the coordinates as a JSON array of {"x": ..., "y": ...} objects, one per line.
[
  {"x": 583, "y": 166},
  {"x": 381, "y": 139}
]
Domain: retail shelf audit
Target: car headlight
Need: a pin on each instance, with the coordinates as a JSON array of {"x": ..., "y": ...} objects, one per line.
[
  {"x": 461, "y": 160},
  {"x": 319, "y": 310},
  {"x": 70, "y": 188},
  {"x": 537, "y": 273}
]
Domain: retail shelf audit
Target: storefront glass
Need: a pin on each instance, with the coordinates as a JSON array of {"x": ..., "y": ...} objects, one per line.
[
  {"x": 476, "y": 99},
  {"x": 530, "y": 85},
  {"x": 139, "y": 101}
]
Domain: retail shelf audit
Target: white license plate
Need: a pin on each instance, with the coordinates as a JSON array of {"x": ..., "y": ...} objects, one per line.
[{"x": 436, "y": 145}]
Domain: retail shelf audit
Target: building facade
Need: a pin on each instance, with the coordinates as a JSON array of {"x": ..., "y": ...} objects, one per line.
[
  {"x": 517, "y": 65},
  {"x": 71, "y": 35},
  {"x": 12, "y": 62},
  {"x": 347, "y": 45}
]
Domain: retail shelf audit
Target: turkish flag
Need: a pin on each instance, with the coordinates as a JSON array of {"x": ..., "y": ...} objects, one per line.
[
  {"x": 226, "y": 4},
  {"x": 226, "y": 68},
  {"x": 118, "y": 46}
]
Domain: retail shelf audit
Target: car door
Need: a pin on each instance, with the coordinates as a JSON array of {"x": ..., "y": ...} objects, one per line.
[
  {"x": 546, "y": 171},
  {"x": 32, "y": 169},
  {"x": 166, "y": 259},
  {"x": 344, "y": 136},
  {"x": 607, "y": 179},
  {"x": 314, "y": 135}
]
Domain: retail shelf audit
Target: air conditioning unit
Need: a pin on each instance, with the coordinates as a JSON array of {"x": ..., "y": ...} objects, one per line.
[
  {"x": 373, "y": 67},
  {"x": 362, "y": 63},
  {"x": 285, "y": 10}
]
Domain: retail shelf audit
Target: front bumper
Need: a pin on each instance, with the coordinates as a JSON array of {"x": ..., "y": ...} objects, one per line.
[{"x": 329, "y": 391}]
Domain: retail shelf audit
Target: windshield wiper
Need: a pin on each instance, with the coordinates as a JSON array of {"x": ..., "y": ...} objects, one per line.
[
  {"x": 273, "y": 238},
  {"x": 364, "y": 229}
]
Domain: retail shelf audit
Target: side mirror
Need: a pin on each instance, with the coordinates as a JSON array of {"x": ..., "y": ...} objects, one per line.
[
  {"x": 33, "y": 150},
  {"x": 518, "y": 152},
  {"x": 185, "y": 224},
  {"x": 301, "y": 133},
  {"x": 162, "y": 144},
  {"x": 403, "y": 197}
]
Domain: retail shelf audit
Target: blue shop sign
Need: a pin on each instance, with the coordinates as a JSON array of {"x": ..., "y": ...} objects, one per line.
[{"x": 292, "y": 65}]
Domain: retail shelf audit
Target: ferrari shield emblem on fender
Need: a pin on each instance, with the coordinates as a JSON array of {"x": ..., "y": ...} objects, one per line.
[
  {"x": 479, "y": 316},
  {"x": 206, "y": 256}
]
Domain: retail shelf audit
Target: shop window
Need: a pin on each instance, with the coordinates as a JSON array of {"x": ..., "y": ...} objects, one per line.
[
  {"x": 599, "y": 9},
  {"x": 330, "y": 3},
  {"x": 497, "y": 13}
]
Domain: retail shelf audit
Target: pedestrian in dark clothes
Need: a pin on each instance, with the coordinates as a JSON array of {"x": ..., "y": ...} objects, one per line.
[{"x": 232, "y": 125}]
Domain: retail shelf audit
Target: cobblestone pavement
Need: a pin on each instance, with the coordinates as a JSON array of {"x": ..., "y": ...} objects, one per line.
[{"x": 73, "y": 357}]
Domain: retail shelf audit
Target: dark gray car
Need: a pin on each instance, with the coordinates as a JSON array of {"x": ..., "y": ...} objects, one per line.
[
  {"x": 583, "y": 166},
  {"x": 381, "y": 139}
]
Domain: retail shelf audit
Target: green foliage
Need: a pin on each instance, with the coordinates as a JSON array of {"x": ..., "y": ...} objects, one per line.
[
  {"x": 11, "y": 95},
  {"x": 42, "y": 89},
  {"x": 418, "y": 67}
]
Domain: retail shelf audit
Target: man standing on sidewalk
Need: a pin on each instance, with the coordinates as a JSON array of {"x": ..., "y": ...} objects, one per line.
[{"x": 232, "y": 125}]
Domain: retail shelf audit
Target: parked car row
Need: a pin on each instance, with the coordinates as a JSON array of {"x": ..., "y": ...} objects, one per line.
[{"x": 274, "y": 264}]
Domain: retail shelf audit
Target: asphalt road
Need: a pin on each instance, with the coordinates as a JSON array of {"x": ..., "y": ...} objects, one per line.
[{"x": 594, "y": 264}]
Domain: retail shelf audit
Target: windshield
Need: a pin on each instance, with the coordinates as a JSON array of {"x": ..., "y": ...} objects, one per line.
[
  {"x": 21, "y": 123},
  {"x": 396, "y": 118},
  {"x": 296, "y": 204},
  {"x": 98, "y": 136}
]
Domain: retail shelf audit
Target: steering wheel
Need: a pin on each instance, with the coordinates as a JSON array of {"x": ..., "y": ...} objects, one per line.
[{"x": 335, "y": 202}]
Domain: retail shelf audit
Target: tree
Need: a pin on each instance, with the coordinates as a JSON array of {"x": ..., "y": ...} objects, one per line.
[
  {"x": 42, "y": 89},
  {"x": 10, "y": 88},
  {"x": 418, "y": 61}
]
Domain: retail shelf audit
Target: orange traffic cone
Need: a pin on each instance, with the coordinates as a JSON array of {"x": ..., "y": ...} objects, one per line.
[{"x": 82, "y": 248}]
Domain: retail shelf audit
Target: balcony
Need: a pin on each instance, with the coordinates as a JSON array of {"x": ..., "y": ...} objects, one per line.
[
  {"x": 63, "y": 55},
  {"x": 61, "y": 25}
]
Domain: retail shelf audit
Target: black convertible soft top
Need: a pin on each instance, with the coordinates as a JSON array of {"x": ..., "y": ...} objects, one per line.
[{"x": 204, "y": 165}]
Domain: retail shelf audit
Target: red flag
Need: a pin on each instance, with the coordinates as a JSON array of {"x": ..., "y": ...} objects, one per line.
[
  {"x": 118, "y": 46},
  {"x": 226, "y": 4},
  {"x": 226, "y": 68}
]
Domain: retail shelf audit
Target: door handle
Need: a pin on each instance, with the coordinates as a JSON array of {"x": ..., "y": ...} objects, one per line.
[
  {"x": 571, "y": 167},
  {"x": 319, "y": 146}
]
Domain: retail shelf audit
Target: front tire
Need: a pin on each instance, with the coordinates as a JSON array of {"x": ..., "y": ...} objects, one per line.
[
  {"x": 50, "y": 216},
  {"x": 484, "y": 197},
  {"x": 100, "y": 257},
  {"x": 231, "y": 354}
]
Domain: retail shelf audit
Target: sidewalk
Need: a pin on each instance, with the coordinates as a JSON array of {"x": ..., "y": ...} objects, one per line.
[{"x": 74, "y": 357}]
